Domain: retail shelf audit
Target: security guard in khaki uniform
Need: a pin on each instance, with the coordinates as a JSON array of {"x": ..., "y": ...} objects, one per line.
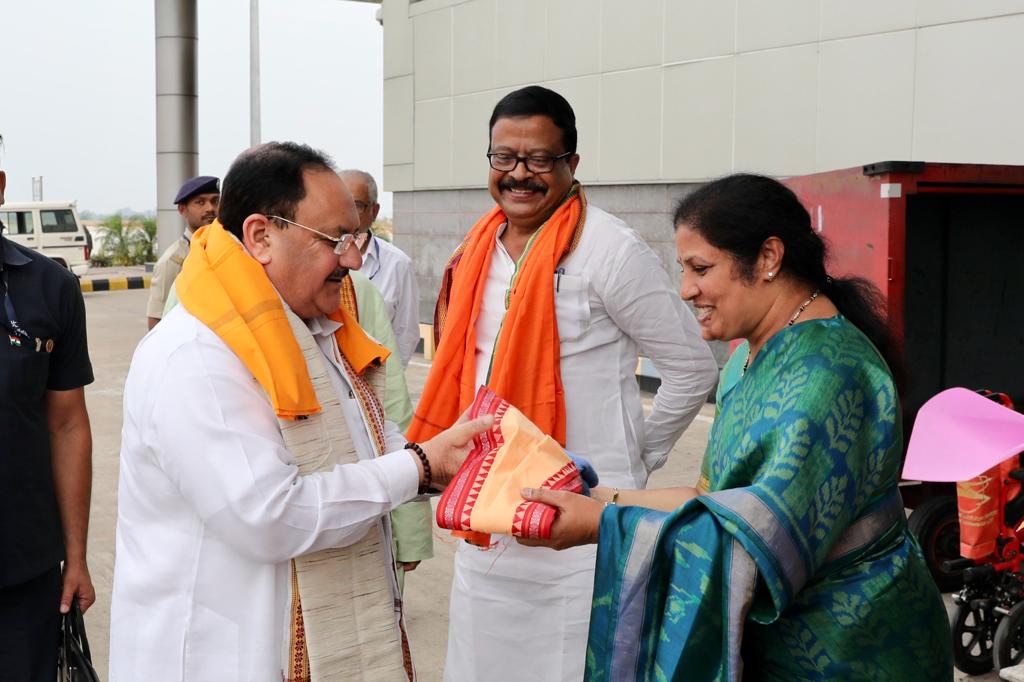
[{"x": 197, "y": 202}]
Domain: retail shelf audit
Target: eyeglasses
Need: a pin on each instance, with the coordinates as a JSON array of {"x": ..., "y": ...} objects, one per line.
[
  {"x": 341, "y": 243},
  {"x": 538, "y": 163}
]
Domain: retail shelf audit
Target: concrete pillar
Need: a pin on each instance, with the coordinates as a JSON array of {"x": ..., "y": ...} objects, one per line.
[
  {"x": 254, "y": 73},
  {"x": 177, "y": 110}
]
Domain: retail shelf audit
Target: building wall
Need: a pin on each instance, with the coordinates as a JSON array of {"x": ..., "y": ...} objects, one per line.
[{"x": 670, "y": 92}]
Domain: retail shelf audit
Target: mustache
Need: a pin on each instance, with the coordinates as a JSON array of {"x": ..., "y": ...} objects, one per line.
[
  {"x": 528, "y": 185},
  {"x": 338, "y": 275}
]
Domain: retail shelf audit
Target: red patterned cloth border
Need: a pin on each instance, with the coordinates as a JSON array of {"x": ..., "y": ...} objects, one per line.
[{"x": 528, "y": 519}]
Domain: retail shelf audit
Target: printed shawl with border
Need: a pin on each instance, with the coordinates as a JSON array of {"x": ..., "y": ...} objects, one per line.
[{"x": 485, "y": 494}]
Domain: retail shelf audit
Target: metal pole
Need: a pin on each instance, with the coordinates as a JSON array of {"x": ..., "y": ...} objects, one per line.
[
  {"x": 254, "y": 72},
  {"x": 177, "y": 109}
]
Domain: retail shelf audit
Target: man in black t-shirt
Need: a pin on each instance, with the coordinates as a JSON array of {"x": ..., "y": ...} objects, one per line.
[{"x": 45, "y": 457}]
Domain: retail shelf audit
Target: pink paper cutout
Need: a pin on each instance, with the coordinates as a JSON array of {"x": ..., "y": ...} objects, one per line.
[{"x": 959, "y": 434}]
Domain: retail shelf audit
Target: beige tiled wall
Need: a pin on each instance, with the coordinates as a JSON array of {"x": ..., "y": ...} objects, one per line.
[
  {"x": 470, "y": 114},
  {"x": 398, "y": 102},
  {"x": 778, "y": 23},
  {"x": 697, "y": 124},
  {"x": 698, "y": 29},
  {"x": 573, "y": 38},
  {"x": 686, "y": 90},
  {"x": 520, "y": 41},
  {"x": 630, "y": 121},
  {"x": 433, "y": 145},
  {"x": 629, "y": 33},
  {"x": 776, "y": 107},
  {"x": 585, "y": 94},
  {"x": 969, "y": 103},
  {"x": 865, "y": 99},
  {"x": 473, "y": 47}
]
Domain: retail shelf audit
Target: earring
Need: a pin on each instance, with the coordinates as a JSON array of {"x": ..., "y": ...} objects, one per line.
[{"x": 771, "y": 276}]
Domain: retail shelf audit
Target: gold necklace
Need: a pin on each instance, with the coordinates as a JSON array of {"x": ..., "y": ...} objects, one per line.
[{"x": 799, "y": 311}]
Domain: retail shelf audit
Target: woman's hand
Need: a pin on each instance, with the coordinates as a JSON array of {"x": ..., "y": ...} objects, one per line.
[{"x": 578, "y": 522}]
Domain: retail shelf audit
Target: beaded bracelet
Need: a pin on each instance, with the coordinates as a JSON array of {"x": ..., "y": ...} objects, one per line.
[{"x": 415, "y": 447}]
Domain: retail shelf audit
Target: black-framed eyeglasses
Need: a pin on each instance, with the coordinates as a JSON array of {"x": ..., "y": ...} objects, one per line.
[
  {"x": 535, "y": 163},
  {"x": 341, "y": 243}
]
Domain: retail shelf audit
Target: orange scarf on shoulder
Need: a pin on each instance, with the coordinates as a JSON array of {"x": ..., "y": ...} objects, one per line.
[
  {"x": 229, "y": 292},
  {"x": 525, "y": 369}
]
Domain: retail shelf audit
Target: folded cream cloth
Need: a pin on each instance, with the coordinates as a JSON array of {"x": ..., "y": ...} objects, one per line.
[{"x": 513, "y": 454}]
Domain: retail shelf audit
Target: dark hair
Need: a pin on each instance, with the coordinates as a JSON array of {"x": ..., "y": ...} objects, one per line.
[
  {"x": 739, "y": 212},
  {"x": 533, "y": 100},
  {"x": 267, "y": 179}
]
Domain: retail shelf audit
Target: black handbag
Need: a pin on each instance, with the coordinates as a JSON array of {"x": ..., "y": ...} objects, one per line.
[{"x": 74, "y": 660}]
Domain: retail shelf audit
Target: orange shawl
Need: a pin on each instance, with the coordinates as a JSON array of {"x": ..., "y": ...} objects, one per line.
[
  {"x": 229, "y": 292},
  {"x": 525, "y": 368}
]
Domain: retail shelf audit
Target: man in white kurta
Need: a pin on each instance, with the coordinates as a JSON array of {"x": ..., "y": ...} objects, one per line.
[
  {"x": 520, "y": 612},
  {"x": 211, "y": 507}
]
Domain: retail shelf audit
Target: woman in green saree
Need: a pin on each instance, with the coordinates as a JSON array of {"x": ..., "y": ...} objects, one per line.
[{"x": 791, "y": 559}]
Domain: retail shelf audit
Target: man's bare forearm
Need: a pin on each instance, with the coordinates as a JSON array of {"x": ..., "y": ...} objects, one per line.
[{"x": 71, "y": 457}]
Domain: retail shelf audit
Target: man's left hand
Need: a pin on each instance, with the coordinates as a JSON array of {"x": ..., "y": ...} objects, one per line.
[
  {"x": 77, "y": 583},
  {"x": 408, "y": 566}
]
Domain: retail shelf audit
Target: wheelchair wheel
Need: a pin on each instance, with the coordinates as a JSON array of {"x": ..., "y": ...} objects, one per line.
[
  {"x": 936, "y": 525},
  {"x": 972, "y": 639},
  {"x": 1008, "y": 648}
]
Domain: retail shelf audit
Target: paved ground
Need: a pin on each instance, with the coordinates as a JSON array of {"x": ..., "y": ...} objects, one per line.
[
  {"x": 116, "y": 324},
  {"x": 115, "y": 271}
]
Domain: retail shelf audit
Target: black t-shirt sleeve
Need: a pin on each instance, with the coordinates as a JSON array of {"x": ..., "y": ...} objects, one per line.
[{"x": 69, "y": 363}]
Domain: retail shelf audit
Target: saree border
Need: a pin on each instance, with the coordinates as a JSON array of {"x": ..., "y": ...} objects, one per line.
[
  {"x": 868, "y": 528},
  {"x": 740, "y": 596},
  {"x": 764, "y": 523},
  {"x": 636, "y": 576}
]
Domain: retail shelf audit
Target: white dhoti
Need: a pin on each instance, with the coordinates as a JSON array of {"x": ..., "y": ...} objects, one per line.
[{"x": 519, "y": 613}]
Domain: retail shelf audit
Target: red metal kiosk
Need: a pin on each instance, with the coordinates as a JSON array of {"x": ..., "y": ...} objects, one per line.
[{"x": 944, "y": 243}]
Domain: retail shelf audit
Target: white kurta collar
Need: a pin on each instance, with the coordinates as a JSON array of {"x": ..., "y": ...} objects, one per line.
[
  {"x": 321, "y": 325},
  {"x": 371, "y": 259}
]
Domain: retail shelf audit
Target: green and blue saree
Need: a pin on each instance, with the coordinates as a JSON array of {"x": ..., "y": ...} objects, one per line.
[{"x": 795, "y": 562}]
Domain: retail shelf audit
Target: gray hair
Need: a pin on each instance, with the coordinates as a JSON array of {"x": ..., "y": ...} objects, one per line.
[{"x": 371, "y": 184}]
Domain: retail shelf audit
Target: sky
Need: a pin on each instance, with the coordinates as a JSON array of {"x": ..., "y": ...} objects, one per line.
[{"x": 78, "y": 102}]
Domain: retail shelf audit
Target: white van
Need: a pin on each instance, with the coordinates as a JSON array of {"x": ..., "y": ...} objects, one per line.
[{"x": 51, "y": 228}]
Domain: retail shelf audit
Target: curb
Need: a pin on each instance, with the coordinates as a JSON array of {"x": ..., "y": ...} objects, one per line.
[{"x": 116, "y": 283}]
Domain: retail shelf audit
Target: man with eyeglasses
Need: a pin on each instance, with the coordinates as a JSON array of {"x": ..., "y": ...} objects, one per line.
[
  {"x": 387, "y": 266},
  {"x": 257, "y": 469},
  {"x": 550, "y": 301},
  {"x": 390, "y": 270},
  {"x": 45, "y": 457}
]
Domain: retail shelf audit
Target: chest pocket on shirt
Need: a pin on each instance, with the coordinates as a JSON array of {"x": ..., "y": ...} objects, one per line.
[
  {"x": 27, "y": 371},
  {"x": 572, "y": 306}
]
